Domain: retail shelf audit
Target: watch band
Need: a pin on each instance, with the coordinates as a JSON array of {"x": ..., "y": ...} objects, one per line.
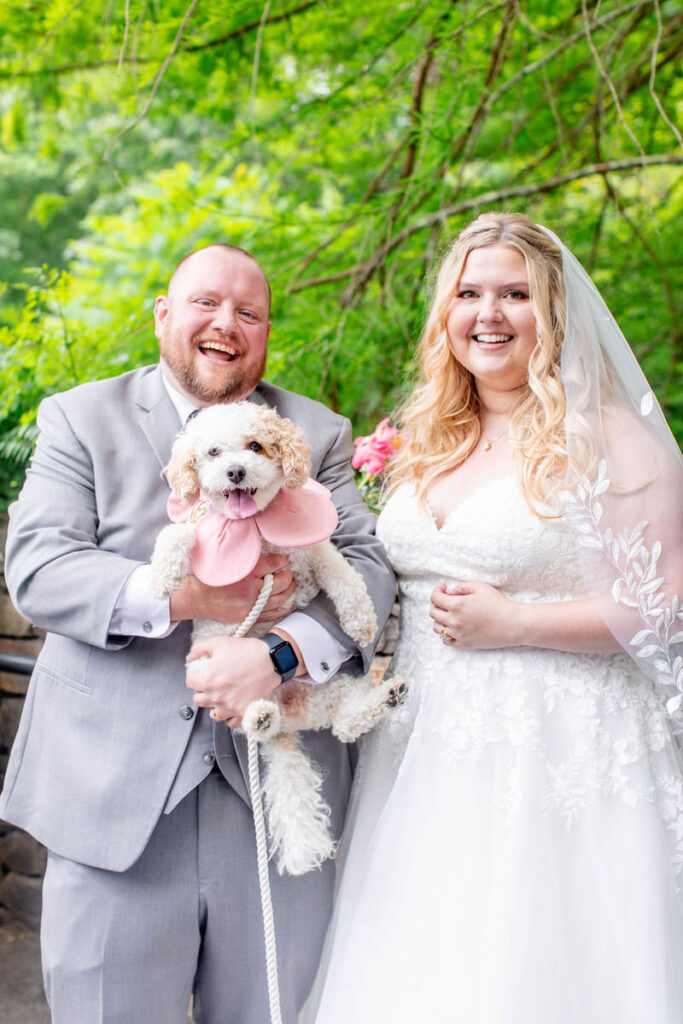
[{"x": 282, "y": 655}]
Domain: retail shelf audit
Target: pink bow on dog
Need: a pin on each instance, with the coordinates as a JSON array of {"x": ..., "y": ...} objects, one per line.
[{"x": 226, "y": 550}]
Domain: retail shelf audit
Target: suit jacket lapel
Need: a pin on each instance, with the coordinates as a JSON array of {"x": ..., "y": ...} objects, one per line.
[
  {"x": 156, "y": 415},
  {"x": 257, "y": 397}
]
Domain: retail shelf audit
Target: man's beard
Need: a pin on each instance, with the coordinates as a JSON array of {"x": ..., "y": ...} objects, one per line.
[
  {"x": 240, "y": 383},
  {"x": 239, "y": 386}
]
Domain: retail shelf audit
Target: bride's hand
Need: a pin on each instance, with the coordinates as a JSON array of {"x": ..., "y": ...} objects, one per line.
[{"x": 473, "y": 615}]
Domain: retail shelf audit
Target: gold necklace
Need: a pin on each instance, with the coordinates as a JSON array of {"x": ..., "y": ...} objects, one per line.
[{"x": 490, "y": 441}]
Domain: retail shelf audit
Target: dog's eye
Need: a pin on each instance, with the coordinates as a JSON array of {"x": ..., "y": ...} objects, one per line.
[
  {"x": 214, "y": 452},
  {"x": 254, "y": 446}
]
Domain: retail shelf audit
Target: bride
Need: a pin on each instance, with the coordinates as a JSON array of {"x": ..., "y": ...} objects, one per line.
[{"x": 515, "y": 847}]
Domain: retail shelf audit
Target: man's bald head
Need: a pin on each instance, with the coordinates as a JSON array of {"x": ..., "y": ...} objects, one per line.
[{"x": 226, "y": 246}]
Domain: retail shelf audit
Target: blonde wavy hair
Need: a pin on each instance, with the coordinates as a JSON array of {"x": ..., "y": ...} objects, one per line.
[{"x": 440, "y": 421}]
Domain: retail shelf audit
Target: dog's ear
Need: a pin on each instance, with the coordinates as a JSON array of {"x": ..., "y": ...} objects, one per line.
[
  {"x": 295, "y": 452},
  {"x": 180, "y": 471}
]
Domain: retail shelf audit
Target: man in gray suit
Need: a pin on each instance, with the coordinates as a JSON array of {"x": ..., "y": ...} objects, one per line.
[{"x": 151, "y": 890}]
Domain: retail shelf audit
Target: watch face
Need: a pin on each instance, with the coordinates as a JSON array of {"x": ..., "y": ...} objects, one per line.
[{"x": 284, "y": 658}]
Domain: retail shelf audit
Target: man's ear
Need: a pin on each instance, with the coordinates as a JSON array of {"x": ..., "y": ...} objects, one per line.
[{"x": 161, "y": 310}]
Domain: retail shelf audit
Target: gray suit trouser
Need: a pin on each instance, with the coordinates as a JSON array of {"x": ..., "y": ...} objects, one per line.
[{"x": 131, "y": 947}]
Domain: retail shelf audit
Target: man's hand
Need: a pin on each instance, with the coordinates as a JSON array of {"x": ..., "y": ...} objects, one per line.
[
  {"x": 238, "y": 671},
  {"x": 233, "y": 602}
]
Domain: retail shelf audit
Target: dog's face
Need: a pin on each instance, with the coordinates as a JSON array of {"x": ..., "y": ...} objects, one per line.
[{"x": 238, "y": 456}]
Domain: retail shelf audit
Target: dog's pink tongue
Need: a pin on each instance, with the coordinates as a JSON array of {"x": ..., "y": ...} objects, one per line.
[{"x": 240, "y": 505}]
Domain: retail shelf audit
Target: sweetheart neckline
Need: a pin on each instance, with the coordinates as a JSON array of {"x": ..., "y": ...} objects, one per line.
[{"x": 507, "y": 478}]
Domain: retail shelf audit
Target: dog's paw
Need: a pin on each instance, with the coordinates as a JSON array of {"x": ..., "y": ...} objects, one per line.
[
  {"x": 369, "y": 630},
  {"x": 170, "y": 562},
  {"x": 397, "y": 693},
  {"x": 195, "y": 664},
  {"x": 261, "y": 719},
  {"x": 363, "y": 707},
  {"x": 359, "y": 619},
  {"x": 360, "y": 627},
  {"x": 168, "y": 576}
]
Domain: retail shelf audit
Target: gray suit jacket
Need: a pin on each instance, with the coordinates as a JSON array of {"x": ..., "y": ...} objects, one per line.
[{"x": 105, "y": 722}]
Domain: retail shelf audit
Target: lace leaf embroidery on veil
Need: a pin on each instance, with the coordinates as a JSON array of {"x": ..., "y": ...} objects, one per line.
[{"x": 636, "y": 586}]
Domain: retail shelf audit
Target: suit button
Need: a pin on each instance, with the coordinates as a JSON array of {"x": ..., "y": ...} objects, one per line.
[
  {"x": 208, "y": 758},
  {"x": 147, "y": 627},
  {"x": 186, "y": 711}
]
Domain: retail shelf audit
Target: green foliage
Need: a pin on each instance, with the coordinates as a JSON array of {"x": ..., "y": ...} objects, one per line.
[{"x": 344, "y": 144}]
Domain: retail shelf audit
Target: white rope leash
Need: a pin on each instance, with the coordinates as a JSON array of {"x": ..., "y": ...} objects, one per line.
[
  {"x": 264, "y": 883},
  {"x": 259, "y": 605},
  {"x": 260, "y": 829}
]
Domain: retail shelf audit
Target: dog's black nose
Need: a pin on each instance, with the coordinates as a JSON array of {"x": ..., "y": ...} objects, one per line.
[{"x": 236, "y": 474}]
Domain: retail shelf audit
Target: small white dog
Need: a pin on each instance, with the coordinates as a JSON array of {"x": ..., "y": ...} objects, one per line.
[{"x": 240, "y": 480}]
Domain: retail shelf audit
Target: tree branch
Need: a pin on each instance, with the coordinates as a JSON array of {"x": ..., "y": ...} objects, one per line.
[
  {"x": 257, "y": 56},
  {"x": 158, "y": 78},
  {"x": 365, "y": 270},
  {"x": 12, "y": 75},
  {"x": 486, "y": 104},
  {"x": 126, "y": 30},
  {"x": 483, "y": 106},
  {"x": 610, "y": 84},
  {"x": 241, "y": 30},
  {"x": 627, "y": 85},
  {"x": 653, "y": 72}
]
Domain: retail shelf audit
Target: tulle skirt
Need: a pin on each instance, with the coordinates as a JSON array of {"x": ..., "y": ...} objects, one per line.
[{"x": 468, "y": 895}]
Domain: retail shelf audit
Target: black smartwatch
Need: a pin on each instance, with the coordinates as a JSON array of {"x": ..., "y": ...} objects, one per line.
[{"x": 285, "y": 661}]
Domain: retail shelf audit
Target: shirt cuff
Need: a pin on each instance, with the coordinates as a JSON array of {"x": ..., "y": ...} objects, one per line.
[
  {"x": 137, "y": 612},
  {"x": 322, "y": 652}
]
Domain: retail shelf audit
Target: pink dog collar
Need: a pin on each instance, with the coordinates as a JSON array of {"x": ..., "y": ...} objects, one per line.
[{"x": 226, "y": 550}]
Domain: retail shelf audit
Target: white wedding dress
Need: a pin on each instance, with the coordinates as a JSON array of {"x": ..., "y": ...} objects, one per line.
[{"x": 516, "y": 836}]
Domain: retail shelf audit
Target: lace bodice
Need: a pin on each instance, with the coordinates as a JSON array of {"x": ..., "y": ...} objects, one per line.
[{"x": 491, "y": 536}]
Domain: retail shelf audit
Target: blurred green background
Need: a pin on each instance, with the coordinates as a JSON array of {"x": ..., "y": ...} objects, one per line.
[{"x": 343, "y": 143}]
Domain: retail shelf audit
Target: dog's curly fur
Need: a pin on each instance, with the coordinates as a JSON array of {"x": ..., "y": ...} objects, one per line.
[
  {"x": 246, "y": 447},
  {"x": 276, "y": 434}
]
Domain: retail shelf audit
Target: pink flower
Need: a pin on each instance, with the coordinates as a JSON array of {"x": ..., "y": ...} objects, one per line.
[{"x": 374, "y": 450}]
